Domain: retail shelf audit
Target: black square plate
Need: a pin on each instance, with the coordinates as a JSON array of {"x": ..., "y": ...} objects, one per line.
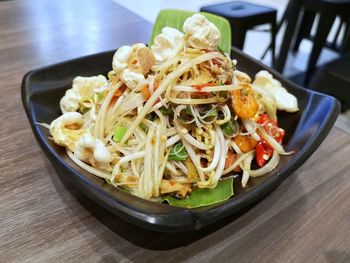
[{"x": 306, "y": 129}]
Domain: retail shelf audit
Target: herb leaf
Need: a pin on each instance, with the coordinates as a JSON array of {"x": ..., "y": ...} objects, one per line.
[{"x": 204, "y": 197}]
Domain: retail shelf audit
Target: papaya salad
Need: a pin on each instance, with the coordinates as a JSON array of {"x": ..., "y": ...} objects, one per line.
[{"x": 174, "y": 117}]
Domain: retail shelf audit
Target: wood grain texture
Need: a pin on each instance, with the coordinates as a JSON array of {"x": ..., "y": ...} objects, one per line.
[{"x": 306, "y": 219}]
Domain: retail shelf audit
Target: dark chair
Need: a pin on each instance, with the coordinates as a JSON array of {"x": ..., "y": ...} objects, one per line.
[
  {"x": 304, "y": 32},
  {"x": 333, "y": 78},
  {"x": 327, "y": 10},
  {"x": 244, "y": 16}
]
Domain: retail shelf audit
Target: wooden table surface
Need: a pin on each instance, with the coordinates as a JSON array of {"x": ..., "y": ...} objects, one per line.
[{"x": 306, "y": 219}]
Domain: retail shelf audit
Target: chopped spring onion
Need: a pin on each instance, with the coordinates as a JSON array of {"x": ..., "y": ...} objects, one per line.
[
  {"x": 184, "y": 114},
  {"x": 178, "y": 153},
  {"x": 212, "y": 113},
  {"x": 143, "y": 127},
  {"x": 222, "y": 96},
  {"x": 84, "y": 109},
  {"x": 119, "y": 133},
  {"x": 166, "y": 111},
  {"x": 150, "y": 116},
  {"x": 224, "y": 115},
  {"x": 207, "y": 113},
  {"x": 100, "y": 95},
  {"x": 210, "y": 116},
  {"x": 229, "y": 128},
  {"x": 189, "y": 110}
]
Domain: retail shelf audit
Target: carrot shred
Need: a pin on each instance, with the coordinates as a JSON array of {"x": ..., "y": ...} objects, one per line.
[
  {"x": 117, "y": 95},
  {"x": 146, "y": 93}
]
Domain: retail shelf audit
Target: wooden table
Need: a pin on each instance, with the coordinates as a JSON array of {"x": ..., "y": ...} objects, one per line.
[{"x": 307, "y": 219}]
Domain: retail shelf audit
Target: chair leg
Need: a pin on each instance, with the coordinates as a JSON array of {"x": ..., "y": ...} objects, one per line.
[
  {"x": 346, "y": 40},
  {"x": 334, "y": 42},
  {"x": 277, "y": 29},
  {"x": 273, "y": 43},
  {"x": 324, "y": 26},
  {"x": 238, "y": 36},
  {"x": 293, "y": 11},
  {"x": 305, "y": 26}
]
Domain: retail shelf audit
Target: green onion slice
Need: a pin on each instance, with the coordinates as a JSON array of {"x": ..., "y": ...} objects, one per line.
[
  {"x": 229, "y": 128},
  {"x": 178, "y": 153},
  {"x": 222, "y": 96},
  {"x": 213, "y": 113},
  {"x": 119, "y": 133},
  {"x": 166, "y": 111}
]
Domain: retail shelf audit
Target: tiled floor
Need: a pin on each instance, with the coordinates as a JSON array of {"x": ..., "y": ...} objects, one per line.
[{"x": 295, "y": 64}]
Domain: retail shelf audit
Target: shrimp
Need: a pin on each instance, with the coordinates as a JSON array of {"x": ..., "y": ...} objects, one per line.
[
  {"x": 243, "y": 102},
  {"x": 66, "y": 129},
  {"x": 245, "y": 143}
]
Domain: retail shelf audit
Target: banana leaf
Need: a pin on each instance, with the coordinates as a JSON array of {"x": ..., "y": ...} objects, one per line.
[
  {"x": 204, "y": 197},
  {"x": 176, "y": 18}
]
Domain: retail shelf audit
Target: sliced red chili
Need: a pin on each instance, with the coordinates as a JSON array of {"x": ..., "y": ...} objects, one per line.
[
  {"x": 271, "y": 127},
  {"x": 263, "y": 153},
  {"x": 199, "y": 87}
]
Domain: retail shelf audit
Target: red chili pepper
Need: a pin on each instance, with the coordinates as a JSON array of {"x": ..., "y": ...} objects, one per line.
[
  {"x": 263, "y": 153},
  {"x": 271, "y": 127},
  {"x": 199, "y": 87},
  {"x": 266, "y": 144},
  {"x": 264, "y": 119},
  {"x": 263, "y": 149},
  {"x": 282, "y": 132}
]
